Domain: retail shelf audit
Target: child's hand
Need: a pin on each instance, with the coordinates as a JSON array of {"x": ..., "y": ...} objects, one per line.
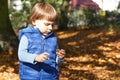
[
  {"x": 42, "y": 57},
  {"x": 61, "y": 53}
]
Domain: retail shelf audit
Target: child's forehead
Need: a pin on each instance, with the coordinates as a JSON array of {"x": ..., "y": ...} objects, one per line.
[
  {"x": 47, "y": 21},
  {"x": 44, "y": 21}
]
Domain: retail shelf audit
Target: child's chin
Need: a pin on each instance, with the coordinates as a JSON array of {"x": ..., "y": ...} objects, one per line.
[{"x": 45, "y": 34}]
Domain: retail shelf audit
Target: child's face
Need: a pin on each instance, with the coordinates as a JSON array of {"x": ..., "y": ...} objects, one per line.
[{"x": 44, "y": 26}]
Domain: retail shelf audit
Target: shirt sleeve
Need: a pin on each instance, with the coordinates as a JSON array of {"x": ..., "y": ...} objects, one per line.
[
  {"x": 59, "y": 61},
  {"x": 23, "y": 54}
]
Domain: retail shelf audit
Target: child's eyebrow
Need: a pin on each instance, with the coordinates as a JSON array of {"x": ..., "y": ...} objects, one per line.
[{"x": 48, "y": 23}]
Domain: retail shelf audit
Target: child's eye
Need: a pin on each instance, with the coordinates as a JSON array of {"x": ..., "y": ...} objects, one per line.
[
  {"x": 47, "y": 24},
  {"x": 52, "y": 24}
]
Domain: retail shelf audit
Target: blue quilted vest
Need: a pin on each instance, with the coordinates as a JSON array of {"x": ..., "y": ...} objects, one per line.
[{"x": 47, "y": 70}]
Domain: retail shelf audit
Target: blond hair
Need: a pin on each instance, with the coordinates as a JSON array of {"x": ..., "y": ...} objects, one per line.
[{"x": 42, "y": 10}]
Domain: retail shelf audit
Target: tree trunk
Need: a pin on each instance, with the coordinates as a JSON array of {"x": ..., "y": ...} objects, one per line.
[
  {"x": 8, "y": 39},
  {"x": 63, "y": 21}
]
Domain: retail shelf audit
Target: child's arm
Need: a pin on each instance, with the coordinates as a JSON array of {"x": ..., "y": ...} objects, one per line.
[
  {"x": 23, "y": 55},
  {"x": 58, "y": 60}
]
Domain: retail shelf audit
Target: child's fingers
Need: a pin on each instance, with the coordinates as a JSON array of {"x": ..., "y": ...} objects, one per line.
[
  {"x": 61, "y": 51},
  {"x": 45, "y": 55},
  {"x": 61, "y": 56}
]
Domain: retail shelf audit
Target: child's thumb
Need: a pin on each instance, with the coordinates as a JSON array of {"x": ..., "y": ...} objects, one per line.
[{"x": 46, "y": 53}]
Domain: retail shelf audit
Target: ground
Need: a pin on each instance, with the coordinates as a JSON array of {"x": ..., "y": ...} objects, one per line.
[{"x": 92, "y": 54}]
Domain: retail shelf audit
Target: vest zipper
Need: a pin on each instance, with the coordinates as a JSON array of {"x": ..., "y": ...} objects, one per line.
[{"x": 43, "y": 44}]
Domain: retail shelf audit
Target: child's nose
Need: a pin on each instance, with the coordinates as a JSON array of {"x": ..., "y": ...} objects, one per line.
[{"x": 50, "y": 27}]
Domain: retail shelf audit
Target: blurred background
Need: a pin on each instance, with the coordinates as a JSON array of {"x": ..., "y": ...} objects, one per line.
[
  {"x": 72, "y": 13},
  {"x": 89, "y": 31}
]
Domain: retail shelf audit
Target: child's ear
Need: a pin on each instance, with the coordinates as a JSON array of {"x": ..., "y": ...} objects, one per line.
[{"x": 33, "y": 22}]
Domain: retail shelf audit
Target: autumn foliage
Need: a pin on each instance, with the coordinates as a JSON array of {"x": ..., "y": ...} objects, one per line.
[{"x": 92, "y": 54}]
